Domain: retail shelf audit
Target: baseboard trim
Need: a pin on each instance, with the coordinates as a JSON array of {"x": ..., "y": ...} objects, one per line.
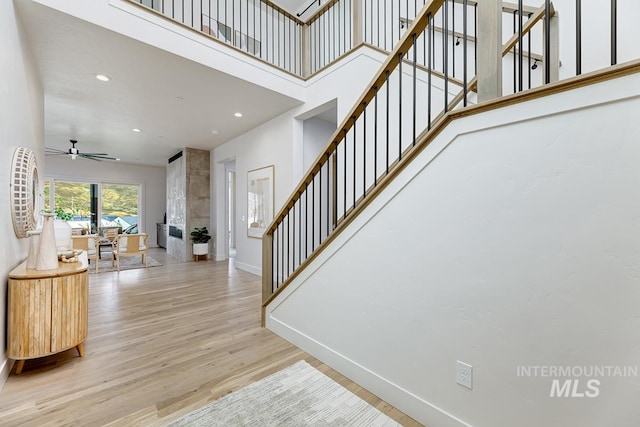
[
  {"x": 250, "y": 268},
  {"x": 5, "y": 370},
  {"x": 423, "y": 411}
]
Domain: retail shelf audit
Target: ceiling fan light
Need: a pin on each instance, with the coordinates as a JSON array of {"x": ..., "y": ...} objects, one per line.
[{"x": 73, "y": 156}]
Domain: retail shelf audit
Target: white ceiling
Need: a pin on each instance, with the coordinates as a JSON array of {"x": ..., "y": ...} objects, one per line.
[{"x": 174, "y": 101}]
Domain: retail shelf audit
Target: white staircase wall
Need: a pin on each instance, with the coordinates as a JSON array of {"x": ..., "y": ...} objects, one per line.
[{"x": 512, "y": 241}]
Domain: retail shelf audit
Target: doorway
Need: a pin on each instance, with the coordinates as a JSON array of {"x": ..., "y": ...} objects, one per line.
[{"x": 230, "y": 196}]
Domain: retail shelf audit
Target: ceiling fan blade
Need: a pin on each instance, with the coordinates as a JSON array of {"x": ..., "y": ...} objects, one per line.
[
  {"x": 95, "y": 157},
  {"x": 48, "y": 150},
  {"x": 95, "y": 154}
]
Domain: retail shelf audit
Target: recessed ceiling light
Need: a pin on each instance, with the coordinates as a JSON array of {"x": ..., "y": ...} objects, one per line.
[
  {"x": 136, "y": 130},
  {"x": 214, "y": 131},
  {"x": 238, "y": 114},
  {"x": 102, "y": 77}
]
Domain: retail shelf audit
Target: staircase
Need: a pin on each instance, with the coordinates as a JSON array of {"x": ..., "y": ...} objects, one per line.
[{"x": 445, "y": 221}]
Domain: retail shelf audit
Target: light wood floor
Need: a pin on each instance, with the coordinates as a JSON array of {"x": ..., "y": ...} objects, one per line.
[{"x": 162, "y": 342}]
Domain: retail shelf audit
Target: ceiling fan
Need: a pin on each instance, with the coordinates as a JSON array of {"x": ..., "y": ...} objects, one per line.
[{"x": 74, "y": 153}]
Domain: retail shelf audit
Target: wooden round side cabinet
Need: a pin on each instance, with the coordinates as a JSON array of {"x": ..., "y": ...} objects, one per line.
[{"x": 47, "y": 311}]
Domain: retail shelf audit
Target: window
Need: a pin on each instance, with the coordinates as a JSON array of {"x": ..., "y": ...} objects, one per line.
[
  {"x": 77, "y": 203},
  {"x": 73, "y": 203},
  {"x": 119, "y": 206}
]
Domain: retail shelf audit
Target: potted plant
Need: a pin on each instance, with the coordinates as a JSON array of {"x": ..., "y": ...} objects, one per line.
[{"x": 200, "y": 237}]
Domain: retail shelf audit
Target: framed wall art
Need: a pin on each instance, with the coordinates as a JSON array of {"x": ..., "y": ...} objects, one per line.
[{"x": 260, "y": 201}]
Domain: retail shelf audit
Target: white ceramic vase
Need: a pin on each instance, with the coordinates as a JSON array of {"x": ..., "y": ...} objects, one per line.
[
  {"x": 47, "y": 252},
  {"x": 34, "y": 242}
]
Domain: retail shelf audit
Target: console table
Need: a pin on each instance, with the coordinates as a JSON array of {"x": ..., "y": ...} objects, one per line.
[{"x": 47, "y": 310}]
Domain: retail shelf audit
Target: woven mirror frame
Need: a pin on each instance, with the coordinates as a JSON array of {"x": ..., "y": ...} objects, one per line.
[{"x": 24, "y": 191}]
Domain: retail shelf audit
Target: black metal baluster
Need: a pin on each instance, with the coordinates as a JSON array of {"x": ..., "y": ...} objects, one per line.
[
  {"x": 520, "y": 57},
  {"x": 364, "y": 150},
  {"x": 415, "y": 89},
  {"x": 306, "y": 220},
  {"x": 260, "y": 25},
  {"x": 515, "y": 53},
  {"x": 273, "y": 263},
  {"x": 375, "y": 136},
  {"x": 430, "y": 34},
  {"x": 279, "y": 41},
  {"x": 293, "y": 252},
  {"x": 387, "y": 83},
  {"x": 400, "y": 55},
  {"x": 475, "y": 38},
  {"x": 578, "y": 37},
  {"x": 247, "y": 10},
  {"x": 281, "y": 242},
  {"x": 354, "y": 161},
  {"x": 547, "y": 41},
  {"x": 464, "y": 52},
  {"x": 320, "y": 206},
  {"x": 328, "y": 195},
  {"x": 344, "y": 175},
  {"x": 323, "y": 38},
  {"x": 453, "y": 37},
  {"x": 445, "y": 55},
  {"x": 614, "y": 32},
  {"x": 529, "y": 55},
  {"x": 277, "y": 269},
  {"x": 313, "y": 213},
  {"x": 300, "y": 227}
]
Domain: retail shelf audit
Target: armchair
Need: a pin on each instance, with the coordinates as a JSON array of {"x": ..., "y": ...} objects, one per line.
[
  {"x": 131, "y": 245},
  {"x": 88, "y": 243}
]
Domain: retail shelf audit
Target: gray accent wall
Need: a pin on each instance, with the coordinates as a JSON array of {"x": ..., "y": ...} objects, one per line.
[{"x": 188, "y": 199}]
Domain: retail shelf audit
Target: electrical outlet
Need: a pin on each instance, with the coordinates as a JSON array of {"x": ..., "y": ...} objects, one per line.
[{"x": 464, "y": 374}]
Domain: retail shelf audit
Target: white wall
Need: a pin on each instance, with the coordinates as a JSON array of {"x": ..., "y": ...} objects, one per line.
[
  {"x": 316, "y": 135},
  {"x": 152, "y": 181},
  {"x": 279, "y": 143},
  {"x": 21, "y": 124},
  {"x": 512, "y": 240}
]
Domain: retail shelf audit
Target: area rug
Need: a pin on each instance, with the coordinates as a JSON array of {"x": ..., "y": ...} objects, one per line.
[
  {"x": 126, "y": 263},
  {"x": 297, "y": 396}
]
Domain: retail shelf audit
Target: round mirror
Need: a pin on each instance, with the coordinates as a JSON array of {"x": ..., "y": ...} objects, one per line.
[{"x": 24, "y": 191}]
